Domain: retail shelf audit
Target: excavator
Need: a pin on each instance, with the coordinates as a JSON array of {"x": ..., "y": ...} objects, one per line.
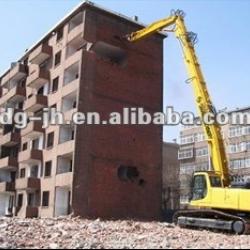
[{"x": 215, "y": 203}]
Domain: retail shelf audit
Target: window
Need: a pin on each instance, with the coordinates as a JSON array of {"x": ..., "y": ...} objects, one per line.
[
  {"x": 215, "y": 181},
  {"x": 239, "y": 147},
  {"x": 75, "y": 21},
  {"x": 200, "y": 152},
  {"x": 247, "y": 130},
  {"x": 64, "y": 164},
  {"x": 20, "y": 105},
  {"x": 35, "y": 144},
  {"x": 71, "y": 73},
  {"x": 31, "y": 200},
  {"x": 20, "y": 201},
  {"x": 74, "y": 106},
  {"x": 45, "y": 199},
  {"x": 34, "y": 171},
  {"x": 235, "y": 131},
  {"x": 50, "y": 140},
  {"x": 186, "y": 153},
  {"x": 200, "y": 188},
  {"x": 48, "y": 167},
  {"x": 40, "y": 91},
  {"x": 25, "y": 146},
  {"x": 59, "y": 34},
  {"x": 58, "y": 58},
  {"x": 199, "y": 137},
  {"x": 240, "y": 164},
  {"x": 22, "y": 173},
  {"x": 203, "y": 166},
  {"x": 67, "y": 133},
  {"x": 247, "y": 162},
  {"x": 187, "y": 139},
  {"x": 55, "y": 85},
  {"x": 69, "y": 102}
]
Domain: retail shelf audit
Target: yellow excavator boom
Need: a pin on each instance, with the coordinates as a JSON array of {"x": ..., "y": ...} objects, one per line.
[{"x": 196, "y": 78}]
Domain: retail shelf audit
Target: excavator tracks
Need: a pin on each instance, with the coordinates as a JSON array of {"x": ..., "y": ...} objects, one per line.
[{"x": 212, "y": 219}]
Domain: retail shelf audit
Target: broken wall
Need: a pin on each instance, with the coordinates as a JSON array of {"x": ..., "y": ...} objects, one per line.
[{"x": 118, "y": 169}]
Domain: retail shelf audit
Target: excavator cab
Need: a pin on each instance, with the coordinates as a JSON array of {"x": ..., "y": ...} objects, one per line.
[{"x": 203, "y": 182}]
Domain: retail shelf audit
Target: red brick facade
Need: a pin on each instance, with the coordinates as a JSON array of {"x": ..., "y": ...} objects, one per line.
[{"x": 100, "y": 150}]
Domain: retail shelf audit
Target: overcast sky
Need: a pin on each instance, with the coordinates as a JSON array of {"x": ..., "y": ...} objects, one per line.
[{"x": 223, "y": 49}]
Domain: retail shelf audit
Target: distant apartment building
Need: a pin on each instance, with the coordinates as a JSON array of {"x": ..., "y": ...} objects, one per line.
[
  {"x": 171, "y": 172},
  {"x": 83, "y": 64},
  {"x": 194, "y": 154}
]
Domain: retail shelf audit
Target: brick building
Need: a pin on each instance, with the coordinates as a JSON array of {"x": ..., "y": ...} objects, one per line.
[
  {"x": 194, "y": 155},
  {"x": 84, "y": 65},
  {"x": 171, "y": 172}
]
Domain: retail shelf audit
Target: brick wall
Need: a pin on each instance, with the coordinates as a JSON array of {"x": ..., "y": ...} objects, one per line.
[{"x": 101, "y": 150}]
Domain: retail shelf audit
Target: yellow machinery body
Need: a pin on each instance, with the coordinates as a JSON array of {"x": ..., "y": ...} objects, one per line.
[
  {"x": 222, "y": 198},
  {"x": 212, "y": 190}
]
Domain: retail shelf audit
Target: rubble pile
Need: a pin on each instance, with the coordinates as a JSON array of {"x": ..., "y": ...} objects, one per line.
[{"x": 68, "y": 232}]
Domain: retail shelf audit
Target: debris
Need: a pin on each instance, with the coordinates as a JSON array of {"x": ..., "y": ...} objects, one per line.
[{"x": 75, "y": 233}]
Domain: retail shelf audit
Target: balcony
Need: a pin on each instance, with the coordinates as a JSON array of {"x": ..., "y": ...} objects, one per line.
[
  {"x": 40, "y": 54},
  {"x": 28, "y": 184},
  {"x": 35, "y": 103},
  {"x": 8, "y": 163},
  {"x": 33, "y": 156},
  {"x": 69, "y": 115},
  {"x": 65, "y": 179},
  {"x": 7, "y": 187},
  {"x": 16, "y": 94},
  {"x": 15, "y": 74},
  {"x": 10, "y": 139},
  {"x": 75, "y": 29},
  {"x": 37, "y": 78},
  {"x": 33, "y": 130},
  {"x": 66, "y": 148}
]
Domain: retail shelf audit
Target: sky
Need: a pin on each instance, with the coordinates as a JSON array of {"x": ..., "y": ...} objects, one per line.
[{"x": 223, "y": 49}]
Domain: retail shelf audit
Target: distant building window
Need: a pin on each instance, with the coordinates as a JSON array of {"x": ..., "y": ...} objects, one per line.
[
  {"x": 187, "y": 139},
  {"x": 200, "y": 152},
  {"x": 203, "y": 166},
  {"x": 55, "y": 85},
  {"x": 45, "y": 199},
  {"x": 186, "y": 153},
  {"x": 48, "y": 168},
  {"x": 58, "y": 58},
  {"x": 239, "y": 147},
  {"x": 50, "y": 140},
  {"x": 240, "y": 163},
  {"x": 235, "y": 132}
]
